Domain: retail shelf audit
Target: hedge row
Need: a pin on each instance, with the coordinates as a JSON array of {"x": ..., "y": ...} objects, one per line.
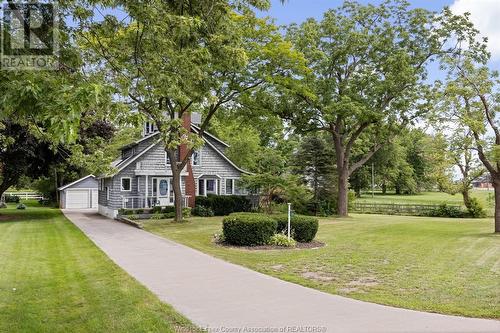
[
  {"x": 257, "y": 229},
  {"x": 222, "y": 205}
]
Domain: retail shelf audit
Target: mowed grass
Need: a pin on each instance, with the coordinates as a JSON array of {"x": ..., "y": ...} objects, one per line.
[
  {"x": 53, "y": 279},
  {"x": 449, "y": 266},
  {"x": 485, "y": 197}
]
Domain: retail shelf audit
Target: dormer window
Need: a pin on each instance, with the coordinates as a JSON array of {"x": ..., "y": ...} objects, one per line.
[
  {"x": 149, "y": 128},
  {"x": 196, "y": 157}
]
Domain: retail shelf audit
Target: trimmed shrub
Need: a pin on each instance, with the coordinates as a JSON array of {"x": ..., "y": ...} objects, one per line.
[
  {"x": 304, "y": 228},
  {"x": 21, "y": 206},
  {"x": 282, "y": 240},
  {"x": 248, "y": 229},
  {"x": 223, "y": 205},
  {"x": 12, "y": 198},
  {"x": 202, "y": 211}
]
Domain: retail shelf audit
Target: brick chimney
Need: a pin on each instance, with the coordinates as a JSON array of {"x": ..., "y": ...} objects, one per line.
[{"x": 190, "y": 189}]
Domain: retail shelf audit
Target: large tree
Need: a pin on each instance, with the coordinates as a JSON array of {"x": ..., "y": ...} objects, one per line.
[
  {"x": 367, "y": 75},
  {"x": 470, "y": 98},
  {"x": 169, "y": 58}
]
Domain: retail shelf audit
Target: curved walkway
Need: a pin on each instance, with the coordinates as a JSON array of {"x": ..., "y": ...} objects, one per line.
[{"x": 228, "y": 298}]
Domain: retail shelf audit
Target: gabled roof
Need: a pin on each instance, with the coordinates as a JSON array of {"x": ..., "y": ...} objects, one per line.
[
  {"x": 74, "y": 183},
  {"x": 211, "y": 145},
  {"x": 122, "y": 164},
  {"x": 197, "y": 129}
]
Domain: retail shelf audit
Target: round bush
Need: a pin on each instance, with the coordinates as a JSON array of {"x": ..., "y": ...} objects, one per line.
[
  {"x": 304, "y": 228},
  {"x": 248, "y": 229}
]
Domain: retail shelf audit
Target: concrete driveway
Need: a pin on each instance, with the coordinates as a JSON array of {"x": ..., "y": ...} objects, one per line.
[{"x": 224, "y": 297}]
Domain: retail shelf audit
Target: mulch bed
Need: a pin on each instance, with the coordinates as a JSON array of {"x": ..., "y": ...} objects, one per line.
[{"x": 310, "y": 245}]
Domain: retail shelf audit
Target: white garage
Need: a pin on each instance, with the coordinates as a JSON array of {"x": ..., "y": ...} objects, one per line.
[{"x": 80, "y": 194}]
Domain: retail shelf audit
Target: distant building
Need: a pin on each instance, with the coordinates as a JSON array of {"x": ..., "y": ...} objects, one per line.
[{"x": 483, "y": 182}]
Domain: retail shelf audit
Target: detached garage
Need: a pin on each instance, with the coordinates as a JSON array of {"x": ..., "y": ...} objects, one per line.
[{"x": 80, "y": 194}]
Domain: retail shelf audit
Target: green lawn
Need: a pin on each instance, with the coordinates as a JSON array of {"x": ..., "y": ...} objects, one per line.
[
  {"x": 433, "y": 264},
  {"x": 484, "y": 196},
  {"x": 54, "y": 279}
]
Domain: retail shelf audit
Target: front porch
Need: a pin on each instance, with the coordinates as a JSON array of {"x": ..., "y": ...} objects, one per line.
[{"x": 146, "y": 202}]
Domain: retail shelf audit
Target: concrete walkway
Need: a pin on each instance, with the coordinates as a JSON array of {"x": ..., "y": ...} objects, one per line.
[{"x": 228, "y": 298}]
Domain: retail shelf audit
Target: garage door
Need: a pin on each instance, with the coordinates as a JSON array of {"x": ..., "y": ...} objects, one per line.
[{"x": 77, "y": 199}]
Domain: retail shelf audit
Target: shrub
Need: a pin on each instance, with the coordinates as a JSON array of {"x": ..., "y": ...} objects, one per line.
[
  {"x": 139, "y": 211},
  {"x": 12, "y": 198},
  {"x": 202, "y": 211},
  {"x": 304, "y": 228},
  {"x": 44, "y": 202},
  {"x": 132, "y": 217},
  {"x": 21, "y": 206},
  {"x": 445, "y": 210},
  {"x": 156, "y": 216},
  {"x": 248, "y": 229},
  {"x": 219, "y": 238},
  {"x": 475, "y": 208},
  {"x": 186, "y": 212},
  {"x": 169, "y": 215},
  {"x": 222, "y": 205},
  {"x": 282, "y": 240},
  {"x": 156, "y": 209}
]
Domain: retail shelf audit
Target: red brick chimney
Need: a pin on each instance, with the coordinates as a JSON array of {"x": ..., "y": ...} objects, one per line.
[{"x": 190, "y": 189}]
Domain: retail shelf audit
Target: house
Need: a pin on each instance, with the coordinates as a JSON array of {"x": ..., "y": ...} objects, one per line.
[
  {"x": 483, "y": 182},
  {"x": 81, "y": 193},
  {"x": 143, "y": 179}
]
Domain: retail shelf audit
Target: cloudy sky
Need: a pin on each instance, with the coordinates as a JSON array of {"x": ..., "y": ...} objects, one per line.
[{"x": 485, "y": 14}]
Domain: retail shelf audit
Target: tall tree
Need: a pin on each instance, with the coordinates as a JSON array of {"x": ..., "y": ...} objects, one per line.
[
  {"x": 367, "y": 75},
  {"x": 313, "y": 162},
  {"x": 471, "y": 98},
  {"x": 169, "y": 58}
]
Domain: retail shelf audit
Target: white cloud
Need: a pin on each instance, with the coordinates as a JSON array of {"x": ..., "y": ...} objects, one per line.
[{"x": 485, "y": 14}]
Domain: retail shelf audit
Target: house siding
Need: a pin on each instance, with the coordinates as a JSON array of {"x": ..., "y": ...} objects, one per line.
[{"x": 212, "y": 164}]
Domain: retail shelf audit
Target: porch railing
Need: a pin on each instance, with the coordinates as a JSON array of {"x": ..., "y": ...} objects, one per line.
[{"x": 144, "y": 202}]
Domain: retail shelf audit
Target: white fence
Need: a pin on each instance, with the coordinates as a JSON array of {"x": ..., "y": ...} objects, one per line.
[{"x": 24, "y": 195}]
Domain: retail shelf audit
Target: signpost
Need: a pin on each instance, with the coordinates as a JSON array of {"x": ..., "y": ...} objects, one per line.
[{"x": 289, "y": 218}]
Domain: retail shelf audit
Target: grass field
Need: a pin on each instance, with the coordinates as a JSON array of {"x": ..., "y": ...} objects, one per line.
[
  {"x": 440, "y": 265},
  {"x": 484, "y": 196},
  {"x": 53, "y": 279}
]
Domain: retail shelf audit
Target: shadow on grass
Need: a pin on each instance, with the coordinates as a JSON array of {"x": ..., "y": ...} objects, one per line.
[{"x": 29, "y": 214}]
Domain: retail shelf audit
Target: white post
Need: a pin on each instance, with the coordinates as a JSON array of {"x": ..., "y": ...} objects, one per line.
[
  {"x": 289, "y": 218},
  {"x": 147, "y": 192}
]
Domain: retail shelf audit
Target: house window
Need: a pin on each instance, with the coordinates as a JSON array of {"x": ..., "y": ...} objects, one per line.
[
  {"x": 196, "y": 157},
  {"x": 101, "y": 184},
  {"x": 167, "y": 159},
  {"x": 208, "y": 186},
  {"x": 107, "y": 192},
  {"x": 229, "y": 186},
  {"x": 238, "y": 188},
  {"x": 126, "y": 184}
]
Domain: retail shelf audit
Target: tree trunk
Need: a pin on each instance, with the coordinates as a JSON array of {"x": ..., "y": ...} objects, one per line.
[
  {"x": 384, "y": 188},
  {"x": 496, "y": 186},
  {"x": 466, "y": 197},
  {"x": 398, "y": 189},
  {"x": 176, "y": 180},
  {"x": 342, "y": 199}
]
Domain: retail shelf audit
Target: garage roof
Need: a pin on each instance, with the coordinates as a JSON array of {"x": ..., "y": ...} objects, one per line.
[{"x": 74, "y": 183}]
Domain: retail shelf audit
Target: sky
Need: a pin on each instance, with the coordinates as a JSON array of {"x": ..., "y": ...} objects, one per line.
[{"x": 485, "y": 14}]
